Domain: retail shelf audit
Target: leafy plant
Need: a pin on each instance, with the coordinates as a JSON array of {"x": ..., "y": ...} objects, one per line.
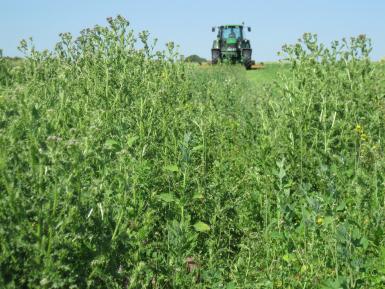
[{"x": 124, "y": 167}]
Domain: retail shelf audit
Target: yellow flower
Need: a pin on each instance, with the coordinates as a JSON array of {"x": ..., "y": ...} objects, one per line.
[
  {"x": 359, "y": 129},
  {"x": 364, "y": 137},
  {"x": 320, "y": 220}
]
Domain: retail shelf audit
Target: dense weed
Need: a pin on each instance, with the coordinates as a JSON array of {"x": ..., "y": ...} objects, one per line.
[
  {"x": 4, "y": 70},
  {"x": 122, "y": 167}
]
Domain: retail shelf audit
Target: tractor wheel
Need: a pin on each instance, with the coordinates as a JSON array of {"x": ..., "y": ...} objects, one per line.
[
  {"x": 215, "y": 56},
  {"x": 248, "y": 63},
  {"x": 247, "y": 58}
]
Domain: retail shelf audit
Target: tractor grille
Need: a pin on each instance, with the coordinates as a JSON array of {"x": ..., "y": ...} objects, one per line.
[{"x": 232, "y": 47}]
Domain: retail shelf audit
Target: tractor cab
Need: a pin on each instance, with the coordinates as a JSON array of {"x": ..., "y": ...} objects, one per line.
[
  {"x": 230, "y": 35},
  {"x": 230, "y": 32}
]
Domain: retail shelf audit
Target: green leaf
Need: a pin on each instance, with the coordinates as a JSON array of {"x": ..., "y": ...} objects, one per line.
[
  {"x": 364, "y": 243},
  {"x": 231, "y": 286},
  {"x": 281, "y": 174},
  {"x": 288, "y": 258},
  {"x": 167, "y": 198},
  {"x": 328, "y": 220},
  {"x": 333, "y": 284},
  {"x": 304, "y": 268},
  {"x": 131, "y": 140},
  {"x": 341, "y": 206},
  {"x": 111, "y": 144},
  {"x": 197, "y": 148},
  {"x": 198, "y": 196},
  {"x": 201, "y": 227},
  {"x": 171, "y": 168}
]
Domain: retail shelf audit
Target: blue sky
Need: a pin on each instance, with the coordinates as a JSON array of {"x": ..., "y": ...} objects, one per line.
[{"x": 188, "y": 23}]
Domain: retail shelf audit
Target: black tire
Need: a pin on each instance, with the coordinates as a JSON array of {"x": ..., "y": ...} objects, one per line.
[
  {"x": 215, "y": 56},
  {"x": 248, "y": 63},
  {"x": 247, "y": 58}
]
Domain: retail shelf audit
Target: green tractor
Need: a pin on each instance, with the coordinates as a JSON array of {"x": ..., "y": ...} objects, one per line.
[{"x": 231, "y": 46}]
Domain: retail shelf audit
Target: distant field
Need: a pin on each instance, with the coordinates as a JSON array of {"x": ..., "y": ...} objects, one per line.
[{"x": 268, "y": 73}]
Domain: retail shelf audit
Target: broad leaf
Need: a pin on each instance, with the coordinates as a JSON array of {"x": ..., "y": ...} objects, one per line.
[
  {"x": 171, "y": 168},
  {"x": 201, "y": 227},
  {"x": 111, "y": 144},
  {"x": 167, "y": 198}
]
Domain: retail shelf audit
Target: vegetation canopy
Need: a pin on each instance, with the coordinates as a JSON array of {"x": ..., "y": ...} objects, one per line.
[{"x": 124, "y": 167}]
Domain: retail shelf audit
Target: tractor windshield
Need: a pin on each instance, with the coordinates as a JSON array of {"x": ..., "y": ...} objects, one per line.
[{"x": 232, "y": 32}]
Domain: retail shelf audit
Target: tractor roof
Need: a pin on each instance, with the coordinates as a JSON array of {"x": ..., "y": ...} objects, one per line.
[{"x": 232, "y": 25}]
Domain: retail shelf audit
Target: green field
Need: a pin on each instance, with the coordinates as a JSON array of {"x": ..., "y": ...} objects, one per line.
[
  {"x": 123, "y": 167},
  {"x": 268, "y": 73}
]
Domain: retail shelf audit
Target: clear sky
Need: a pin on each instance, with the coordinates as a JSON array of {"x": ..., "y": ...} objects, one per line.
[{"x": 188, "y": 23}]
